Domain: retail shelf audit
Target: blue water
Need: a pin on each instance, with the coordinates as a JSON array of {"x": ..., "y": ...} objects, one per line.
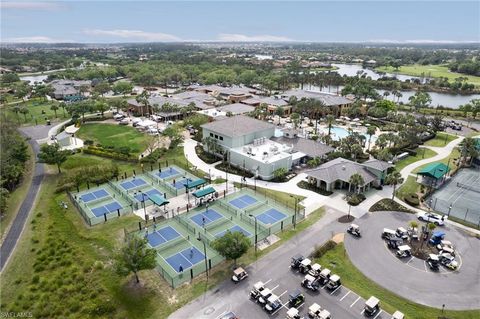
[{"x": 338, "y": 133}]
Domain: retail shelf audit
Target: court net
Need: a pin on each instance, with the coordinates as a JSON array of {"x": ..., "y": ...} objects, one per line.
[
  {"x": 171, "y": 243},
  {"x": 469, "y": 187},
  {"x": 256, "y": 206},
  {"x": 217, "y": 223},
  {"x": 227, "y": 207}
]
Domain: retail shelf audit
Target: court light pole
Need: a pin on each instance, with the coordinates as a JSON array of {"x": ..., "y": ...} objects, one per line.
[
  {"x": 295, "y": 214},
  {"x": 144, "y": 206},
  {"x": 449, "y": 209},
  {"x": 255, "y": 217},
  {"x": 204, "y": 253}
]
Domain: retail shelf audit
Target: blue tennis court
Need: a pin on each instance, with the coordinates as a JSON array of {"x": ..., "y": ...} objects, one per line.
[
  {"x": 133, "y": 183},
  {"x": 187, "y": 258},
  {"x": 88, "y": 197},
  {"x": 105, "y": 209},
  {"x": 168, "y": 172},
  {"x": 139, "y": 195},
  {"x": 235, "y": 228},
  {"x": 181, "y": 183},
  {"x": 243, "y": 201},
  {"x": 271, "y": 216},
  {"x": 206, "y": 217},
  {"x": 162, "y": 235}
]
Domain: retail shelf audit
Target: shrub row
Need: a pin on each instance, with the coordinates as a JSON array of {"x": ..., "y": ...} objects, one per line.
[
  {"x": 99, "y": 151},
  {"x": 386, "y": 204},
  {"x": 319, "y": 251}
]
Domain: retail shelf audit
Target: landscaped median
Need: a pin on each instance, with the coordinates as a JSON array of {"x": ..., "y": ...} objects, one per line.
[
  {"x": 422, "y": 153},
  {"x": 337, "y": 260}
]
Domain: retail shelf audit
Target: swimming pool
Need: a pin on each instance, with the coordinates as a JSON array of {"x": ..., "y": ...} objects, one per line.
[{"x": 338, "y": 133}]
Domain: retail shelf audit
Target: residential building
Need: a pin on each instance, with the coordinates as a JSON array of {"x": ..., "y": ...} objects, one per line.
[
  {"x": 272, "y": 102},
  {"x": 340, "y": 104},
  {"x": 336, "y": 174},
  {"x": 236, "y": 108},
  {"x": 69, "y": 89}
]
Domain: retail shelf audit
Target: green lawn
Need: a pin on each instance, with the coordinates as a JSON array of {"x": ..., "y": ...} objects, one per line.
[
  {"x": 449, "y": 160},
  {"x": 422, "y": 153},
  {"x": 114, "y": 135},
  {"x": 441, "y": 139},
  {"x": 34, "y": 115},
  {"x": 409, "y": 187},
  {"x": 337, "y": 260},
  {"x": 430, "y": 71}
]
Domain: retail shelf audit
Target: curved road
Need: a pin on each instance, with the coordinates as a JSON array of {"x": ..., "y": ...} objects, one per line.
[{"x": 18, "y": 223}]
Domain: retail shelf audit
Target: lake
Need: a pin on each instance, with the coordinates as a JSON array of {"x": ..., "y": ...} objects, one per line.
[
  {"x": 352, "y": 69},
  {"x": 34, "y": 78}
]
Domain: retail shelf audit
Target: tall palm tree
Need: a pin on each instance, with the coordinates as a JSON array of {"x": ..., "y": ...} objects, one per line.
[
  {"x": 370, "y": 131},
  {"x": 356, "y": 180},
  {"x": 142, "y": 99},
  {"x": 394, "y": 178},
  {"x": 330, "y": 121},
  {"x": 468, "y": 149}
]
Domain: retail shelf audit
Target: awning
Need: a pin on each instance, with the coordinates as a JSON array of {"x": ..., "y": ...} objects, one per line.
[
  {"x": 158, "y": 200},
  {"x": 204, "y": 192},
  {"x": 435, "y": 170},
  {"x": 198, "y": 182}
]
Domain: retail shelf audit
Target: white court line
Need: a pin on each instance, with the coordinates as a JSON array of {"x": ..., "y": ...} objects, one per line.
[
  {"x": 346, "y": 295},
  {"x": 355, "y": 302},
  {"x": 335, "y": 290},
  {"x": 378, "y": 314}
]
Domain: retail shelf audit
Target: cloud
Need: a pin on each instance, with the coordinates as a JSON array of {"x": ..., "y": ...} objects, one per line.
[
  {"x": 133, "y": 35},
  {"x": 232, "y": 37},
  {"x": 31, "y": 5},
  {"x": 421, "y": 41},
  {"x": 35, "y": 39}
]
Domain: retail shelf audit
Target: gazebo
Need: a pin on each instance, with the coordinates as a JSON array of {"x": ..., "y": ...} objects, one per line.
[{"x": 433, "y": 173}]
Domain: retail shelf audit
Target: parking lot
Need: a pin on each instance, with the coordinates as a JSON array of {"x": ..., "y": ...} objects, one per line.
[
  {"x": 411, "y": 277},
  {"x": 274, "y": 270}
]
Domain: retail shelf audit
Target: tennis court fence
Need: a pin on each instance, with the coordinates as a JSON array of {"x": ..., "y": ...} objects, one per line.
[
  {"x": 123, "y": 194},
  {"x": 469, "y": 187},
  {"x": 227, "y": 207},
  {"x": 455, "y": 212}
]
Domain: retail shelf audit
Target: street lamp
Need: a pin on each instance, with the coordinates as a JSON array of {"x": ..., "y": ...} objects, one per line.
[
  {"x": 255, "y": 217},
  {"x": 295, "y": 214},
  {"x": 204, "y": 253},
  {"x": 144, "y": 206},
  {"x": 449, "y": 209}
]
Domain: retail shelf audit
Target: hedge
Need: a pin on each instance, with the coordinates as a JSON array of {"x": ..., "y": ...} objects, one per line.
[
  {"x": 109, "y": 154},
  {"x": 319, "y": 251}
]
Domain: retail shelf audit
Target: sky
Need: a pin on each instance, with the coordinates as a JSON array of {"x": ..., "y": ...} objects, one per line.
[{"x": 247, "y": 21}]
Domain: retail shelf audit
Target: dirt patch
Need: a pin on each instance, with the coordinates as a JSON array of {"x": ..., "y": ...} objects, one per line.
[
  {"x": 422, "y": 251},
  {"x": 346, "y": 219},
  {"x": 339, "y": 238}
]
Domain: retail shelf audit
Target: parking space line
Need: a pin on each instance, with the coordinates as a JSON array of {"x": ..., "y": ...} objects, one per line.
[
  {"x": 362, "y": 311},
  {"x": 410, "y": 260},
  {"x": 266, "y": 282},
  {"x": 282, "y": 294},
  {"x": 378, "y": 314},
  {"x": 355, "y": 302},
  {"x": 425, "y": 265},
  {"x": 346, "y": 295},
  {"x": 335, "y": 290},
  {"x": 274, "y": 288}
]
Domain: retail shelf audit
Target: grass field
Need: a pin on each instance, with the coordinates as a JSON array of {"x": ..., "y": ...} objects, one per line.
[
  {"x": 409, "y": 187},
  {"x": 34, "y": 115},
  {"x": 430, "y": 71},
  {"x": 337, "y": 260},
  {"x": 441, "y": 139},
  {"x": 114, "y": 135},
  {"x": 412, "y": 159}
]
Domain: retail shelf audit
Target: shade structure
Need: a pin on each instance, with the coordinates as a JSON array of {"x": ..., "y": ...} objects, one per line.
[
  {"x": 158, "y": 200},
  {"x": 204, "y": 192},
  {"x": 196, "y": 183},
  {"x": 435, "y": 170}
]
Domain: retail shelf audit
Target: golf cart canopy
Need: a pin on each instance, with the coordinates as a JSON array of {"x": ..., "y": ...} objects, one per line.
[
  {"x": 447, "y": 249},
  {"x": 372, "y": 302},
  {"x": 272, "y": 299},
  {"x": 325, "y": 272},
  {"x": 335, "y": 278},
  {"x": 298, "y": 257},
  {"x": 404, "y": 248},
  {"x": 433, "y": 257},
  {"x": 398, "y": 315},
  {"x": 238, "y": 271},
  {"x": 438, "y": 234},
  {"x": 354, "y": 226},
  {"x": 324, "y": 314},
  {"x": 446, "y": 243},
  {"x": 258, "y": 285},
  {"x": 315, "y": 308},
  {"x": 388, "y": 231},
  {"x": 265, "y": 292},
  {"x": 306, "y": 262},
  {"x": 316, "y": 267},
  {"x": 401, "y": 230},
  {"x": 292, "y": 313},
  {"x": 295, "y": 294},
  {"x": 310, "y": 278}
]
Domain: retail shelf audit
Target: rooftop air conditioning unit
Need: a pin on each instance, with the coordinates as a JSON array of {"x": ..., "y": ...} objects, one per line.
[{"x": 343, "y": 167}]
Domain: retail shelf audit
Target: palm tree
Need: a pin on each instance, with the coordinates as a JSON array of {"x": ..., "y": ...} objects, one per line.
[
  {"x": 16, "y": 110},
  {"x": 279, "y": 111},
  {"x": 54, "y": 108},
  {"x": 394, "y": 178},
  {"x": 330, "y": 121},
  {"x": 468, "y": 149},
  {"x": 142, "y": 99},
  {"x": 63, "y": 105},
  {"x": 24, "y": 111},
  {"x": 370, "y": 131},
  {"x": 356, "y": 180},
  {"x": 295, "y": 118}
]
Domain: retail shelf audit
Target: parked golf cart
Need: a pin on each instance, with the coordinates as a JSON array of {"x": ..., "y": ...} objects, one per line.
[
  {"x": 445, "y": 244},
  {"x": 372, "y": 306},
  {"x": 433, "y": 262},
  {"x": 314, "y": 310},
  {"x": 404, "y": 251},
  {"x": 315, "y": 270},
  {"x": 447, "y": 250},
  {"x": 437, "y": 238},
  {"x": 264, "y": 295},
  {"x": 296, "y": 299},
  {"x": 401, "y": 233},
  {"x": 413, "y": 233},
  {"x": 334, "y": 282},
  {"x": 273, "y": 303},
  {"x": 305, "y": 265},
  {"x": 324, "y": 276},
  {"x": 258, "y": 287},
  {"x": 394, "y": 243},
  {"x": 296, "y": 260},
  {"x": 448, "y": 261},
  {"x": 310, "y": 282},
  {"x": 388, "y": 233},
  {"x": 398, "y": 315},
  {"x": 324, "y": 314},
  {"x": 354, "y": 229},
  {"x": 239, "y": 274},
  {"x": 293, "y": 313}
]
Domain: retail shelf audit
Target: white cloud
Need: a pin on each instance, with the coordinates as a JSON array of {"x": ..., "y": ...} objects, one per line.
[
  {"x": 25, "y": 5},
  {"x": 133, "y": 35},
  {"x": 232, "y": 37},
  {"x": 35, "y": 39}
]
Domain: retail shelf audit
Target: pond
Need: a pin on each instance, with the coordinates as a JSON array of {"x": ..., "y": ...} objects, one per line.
[
  {"x": 352, "y": 69},
  {"x": 34, "y": 78}
]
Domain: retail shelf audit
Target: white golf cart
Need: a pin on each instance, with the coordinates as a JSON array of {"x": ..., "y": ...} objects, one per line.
[
  {"x": 314, "y": 310},
  {"x": 264, "y": 295},
  {"x": 388, "y": 233},
  {"x": 324, "y": 314},
  {"x": 273, "y": 303},
  {"x": 334, "y": 282},
  {"x": 404, "y": 251},
  {"x": 402, "y": 233},
  {"x": 445, "y": 244},
  {"x": 315, "y": 270},
  {"x": 398, "y": 315},
  {"x": 305, "y": 265},
  {"x": 310, "y": 282},
  {"x": 293, "y": 313},
  {"x": 239, "y": 274},
  {"x": 324, "y": 276},
  {"x": 433, "y": 262},
  {"x": 257, "y": 288},
  {"x": 372, "y": 306}
]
